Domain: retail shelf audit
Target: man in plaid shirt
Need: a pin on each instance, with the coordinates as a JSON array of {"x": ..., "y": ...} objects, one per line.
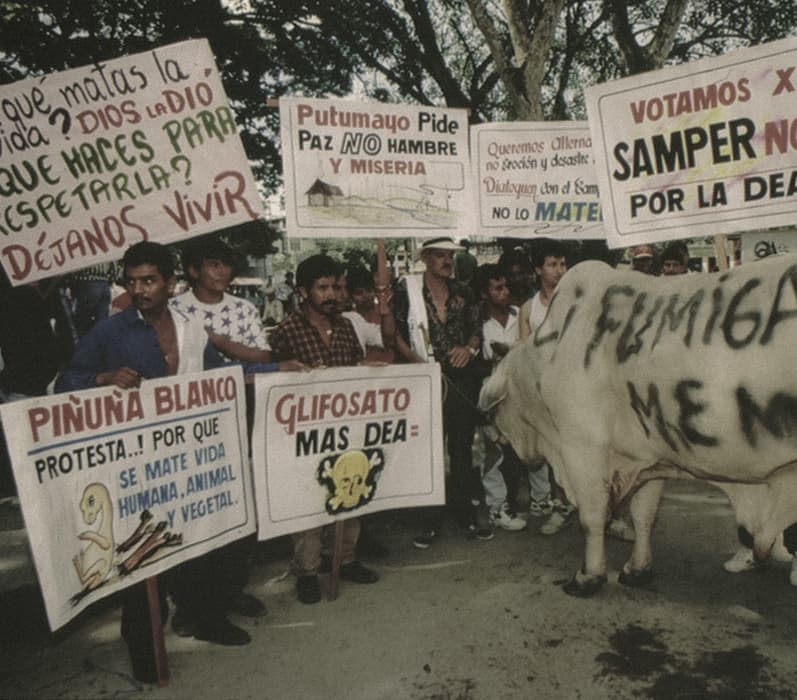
[{"x": 319, "y": 336}]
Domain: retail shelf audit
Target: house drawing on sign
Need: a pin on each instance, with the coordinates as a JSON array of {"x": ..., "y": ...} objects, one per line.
[{"x": 322, "y": 194}]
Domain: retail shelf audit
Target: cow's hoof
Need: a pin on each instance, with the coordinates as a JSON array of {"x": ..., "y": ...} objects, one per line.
[
  {"x": 583, "y": 586},
  {"x": 636, "y": 579}
]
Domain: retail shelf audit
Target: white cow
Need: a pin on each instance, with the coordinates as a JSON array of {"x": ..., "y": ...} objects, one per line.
[{"x": 632, "y": 379}]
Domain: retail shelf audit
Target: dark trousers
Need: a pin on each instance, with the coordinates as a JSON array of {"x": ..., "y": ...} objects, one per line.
[
  {"x": 204, "y": 588},
  {"x": 460, "y": 417}
]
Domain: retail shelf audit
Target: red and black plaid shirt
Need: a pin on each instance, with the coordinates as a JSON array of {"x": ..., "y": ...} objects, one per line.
[{"x": 297, "y": 339}]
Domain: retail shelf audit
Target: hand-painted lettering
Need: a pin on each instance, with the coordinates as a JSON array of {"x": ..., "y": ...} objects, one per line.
[
  {"x": 776, "y": 315},
  {"x": 651, "y": 412},
  {"x": 690, "y": 409},
  {"x": 630, "y": 342},
  {"x": 675, "y": 318},
  {"x": 716, "y": 310},
  {"x": 605, "y": 323},
  {"x": 314, "y": 441},
  {"x": 732, "y": 318},
  {"x": 779, "y": 418},
  {"x": 740, "y": 317}
]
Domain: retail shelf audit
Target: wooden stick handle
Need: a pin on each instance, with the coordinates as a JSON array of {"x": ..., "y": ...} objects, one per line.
[
  {"x": 158, "y": 643},
  {"x": 337, "y": 555}
]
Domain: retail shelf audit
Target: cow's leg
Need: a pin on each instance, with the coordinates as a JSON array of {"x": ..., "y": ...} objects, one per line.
[
  {"x": 638, "y": 570},
  {"x": 593, "y": 506}
]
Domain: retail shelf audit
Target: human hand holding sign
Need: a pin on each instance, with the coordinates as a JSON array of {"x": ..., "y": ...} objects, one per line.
[{"x": 124, "y": 378}]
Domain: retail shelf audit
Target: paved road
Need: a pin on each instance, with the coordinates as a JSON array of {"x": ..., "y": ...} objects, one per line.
[{"x": 462, "y": 620}]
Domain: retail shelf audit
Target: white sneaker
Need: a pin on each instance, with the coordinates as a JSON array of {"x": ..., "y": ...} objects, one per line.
[
  {"x": 743, "y": 560},
  {"x": 621, "y": 529},
  {"x": 504, "y": 519},
  {"x": 779, "y": 551},
  {"x": 562, "y": 516},
  {"x": 541, "y": 508}
]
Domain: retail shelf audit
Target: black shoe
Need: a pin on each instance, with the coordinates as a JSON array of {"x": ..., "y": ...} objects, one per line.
[
  {"x": 183, "y": 625},
  {"x": 143, "y": 662},
  {"x": 308, "y": 589},
  {"x": 248, "y": 606},
  {"x": 354, "y": 571},
  {"x": 474, "y": 532},
  {"x": 222, "y": 632},
  {"x": 424, "y": 540}
]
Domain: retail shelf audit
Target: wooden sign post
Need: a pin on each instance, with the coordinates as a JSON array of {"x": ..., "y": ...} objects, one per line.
[{"x": 158, "y": 643}]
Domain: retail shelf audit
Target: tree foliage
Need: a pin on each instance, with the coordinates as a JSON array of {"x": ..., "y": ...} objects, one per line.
[
  {"x": 501, "y": 59},
  {"x": 271, "y": 52}
]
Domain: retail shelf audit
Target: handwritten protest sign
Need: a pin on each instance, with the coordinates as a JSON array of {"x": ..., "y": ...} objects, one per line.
[
  {"x": 117, "y": 486},
  {"x": 757, "y": 245},
  {"x": 704, "y": 148},
  {"x": 362, "y": 169},
  {"x": 335, "y": 443},
  {"x": 97, "y": 158},
  {"x": 536, "y": 179}
]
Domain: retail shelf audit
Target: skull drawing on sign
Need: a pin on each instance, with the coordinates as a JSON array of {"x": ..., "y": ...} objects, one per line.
[{"x": 349, "y": 478}]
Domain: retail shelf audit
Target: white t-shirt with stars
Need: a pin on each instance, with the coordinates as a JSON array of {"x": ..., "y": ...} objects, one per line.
[{"x": 232, "y": 317}]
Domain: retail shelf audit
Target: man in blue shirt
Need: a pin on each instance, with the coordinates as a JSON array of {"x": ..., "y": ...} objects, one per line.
[{"x": 145, "y": 341}]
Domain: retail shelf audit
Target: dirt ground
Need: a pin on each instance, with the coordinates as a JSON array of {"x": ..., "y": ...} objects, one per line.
[{"x": 461, "y": 620}]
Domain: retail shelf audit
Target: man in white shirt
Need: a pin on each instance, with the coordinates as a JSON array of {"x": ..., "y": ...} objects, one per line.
[
  {"x": 500, "y": 332},
  {"x": 549, "y": 267}
]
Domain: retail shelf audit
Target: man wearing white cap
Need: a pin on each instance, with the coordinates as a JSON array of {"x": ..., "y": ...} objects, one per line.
[
  {"x": 643, "y": 259},
  {"x": 437, "y": 319}
]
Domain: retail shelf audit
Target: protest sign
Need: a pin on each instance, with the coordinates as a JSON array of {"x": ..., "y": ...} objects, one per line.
[
  {"x": 335, "y": 443},
  {"x": 97, "y": 158},
  {"x": 757, "y": 245},
  {"x": 371, "y": 169},
  {"x": 709, "y": 147},
  {"x": 536, "y": 179},
  {"x": 117, "y": 486}
]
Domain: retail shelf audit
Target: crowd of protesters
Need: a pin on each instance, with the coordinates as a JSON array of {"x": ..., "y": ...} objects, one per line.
[{"x": 460, "y": 314}]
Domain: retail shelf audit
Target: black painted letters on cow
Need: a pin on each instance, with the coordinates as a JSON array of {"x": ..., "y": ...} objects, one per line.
[
  {"x": 651, "y": 414},
  {"x": 605, "y": 323},
  {"x": 716, "y": 310},
  {"x": 630, "y": 341},
  {"x": 777, "y": 315},
  {"x": 732, "y": 318},
  {"x": 651, "y": 411},
  {"x": 571, "y": 311},
  {"x": 672, "y": 319},
  {"x": 779, "y": 418},
  {"x": 689, "y": 409},
  {"x": 542, "y": 336},
  {"x": 740, "y": 316}
]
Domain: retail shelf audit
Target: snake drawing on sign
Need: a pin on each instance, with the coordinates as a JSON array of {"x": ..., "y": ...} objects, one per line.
[
  {"x": 350, "y": 478},
  {"x": 93, "y": 562},
  {"x": 101, "y": 559}
]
